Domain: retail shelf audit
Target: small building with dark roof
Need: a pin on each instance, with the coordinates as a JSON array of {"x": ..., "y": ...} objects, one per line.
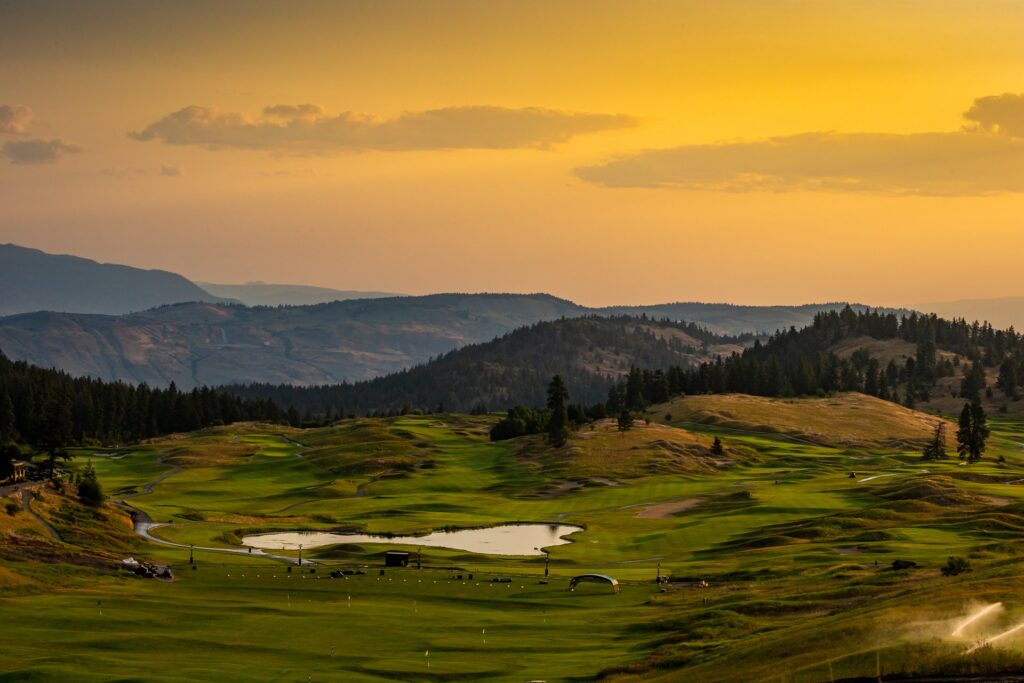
[{"x": 396, "y": 558}]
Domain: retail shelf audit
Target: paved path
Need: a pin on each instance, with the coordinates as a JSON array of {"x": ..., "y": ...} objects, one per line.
[
  {"x": 26, "y": 502},
  {"x": 302, "y": 447},
  {"x": 144, "y": 524}
]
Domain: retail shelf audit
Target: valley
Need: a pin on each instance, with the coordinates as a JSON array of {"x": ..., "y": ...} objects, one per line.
[{"x": 780, "y": 553}]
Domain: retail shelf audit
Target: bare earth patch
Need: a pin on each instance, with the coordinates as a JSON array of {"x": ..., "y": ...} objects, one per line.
[{"x": 665, "y": 510}]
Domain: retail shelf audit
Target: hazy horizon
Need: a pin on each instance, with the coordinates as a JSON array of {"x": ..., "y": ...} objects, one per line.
[{"x": 745, "y": 152}]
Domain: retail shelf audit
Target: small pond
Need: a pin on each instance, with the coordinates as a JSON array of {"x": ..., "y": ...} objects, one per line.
[{"x": 507, "y": 539}]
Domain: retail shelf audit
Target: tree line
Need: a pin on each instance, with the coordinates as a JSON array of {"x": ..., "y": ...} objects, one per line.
[
  {"x": 801, "y": 362},
  {"x": 51, "y": 410}
]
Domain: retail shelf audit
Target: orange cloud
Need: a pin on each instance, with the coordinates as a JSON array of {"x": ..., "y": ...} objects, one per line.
[
  {"x": 998, "y": 114},
  {"x": 307, "y": 127},
  {"x": 37, "y": 151},
  {"x": 15, "y": 118},
  {"x": 985, "y": 158}
]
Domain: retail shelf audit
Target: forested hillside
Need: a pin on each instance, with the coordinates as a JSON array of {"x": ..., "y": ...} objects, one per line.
[
  {"x": 49, "y": 409},
  {"x": 588, "y": 352},
  {"x": 947, "y": 357}
]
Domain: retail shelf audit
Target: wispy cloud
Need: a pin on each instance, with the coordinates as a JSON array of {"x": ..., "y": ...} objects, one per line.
[
  {"x": 15, "y": 118},
  {"x": 126, "y": 173},
  {"x": 37, "y": 151},
  {"x": 308, "y": 128},
  {"x": 985, "y": 157}
]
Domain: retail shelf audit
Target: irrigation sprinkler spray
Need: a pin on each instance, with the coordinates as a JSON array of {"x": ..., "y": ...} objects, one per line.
[
  {"x": 975, "y": 616},
  {"x": 998, "y": 636}
]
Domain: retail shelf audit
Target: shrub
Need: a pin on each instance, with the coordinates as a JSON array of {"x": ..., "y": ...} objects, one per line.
[
  {"x": 12, "y": 508},
  {"x": 955, "y": 565},
  {"x": 90, "y": 493}
]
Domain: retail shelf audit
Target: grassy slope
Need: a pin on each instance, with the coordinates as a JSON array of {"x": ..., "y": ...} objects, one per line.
[
  {"x": 788, "y": 540},
  {"x": 844, "y": 420}
]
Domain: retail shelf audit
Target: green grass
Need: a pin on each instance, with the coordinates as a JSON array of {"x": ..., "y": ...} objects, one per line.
[{"x": 796, "y": 551}]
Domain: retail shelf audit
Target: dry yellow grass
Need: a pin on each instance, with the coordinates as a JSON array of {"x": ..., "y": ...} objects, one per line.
[
  {"x": 10, "y": 580},
  {"x": 844, "y": 420},
  {"x": 211, "y": 455},
  {"x": 884, "y": 350},
  {"x": 600, "y": 452}
]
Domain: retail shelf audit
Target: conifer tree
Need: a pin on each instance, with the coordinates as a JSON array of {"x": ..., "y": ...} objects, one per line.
[
  {"x": 1008, "y": 379},
  {"x": 558, "y": 422},
  {"x": 883, "y": 388},
  {"x": 90, "y": 492},
  {"x": 909, "y": 401},
  {"x": 936, "y": 448},
  {"x": 7, "y": 418},
  {"x": 979, "y": 431},
  {"x": 972, "y": 432},
  {"x": 963, "y": 432}
]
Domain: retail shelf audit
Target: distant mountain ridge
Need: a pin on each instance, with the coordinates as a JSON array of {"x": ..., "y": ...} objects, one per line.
[
  {"x": 734, "y": 319},
  {"x": 343, "y": 341},
  {"x": 264, "y": 294},
  {"x": 589, "y": 352},
  {"x": 1001, "y": 312},
  {"x": 32, "y": 280},
  {"x": 195, "y": 344}
]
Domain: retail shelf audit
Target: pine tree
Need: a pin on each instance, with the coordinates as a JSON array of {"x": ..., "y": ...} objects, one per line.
[
  {"x": 883, "y": 388},
  {"x": 7, "y": 418},
  {"x": 57, "y": 433},
  {"x": 936, "y": 448},
  {"x": 972, "y": 432},
  {"x": 963, "y": 432},
  {"x": 625, "y": 420},
  {"x": 615, "y": 400},
  {"x": 558, "y": 422},
  {"x": 717, "y": 448},
  {"x": 871, "y": 378},
  {"x": 979, "y": 431},
  {"x": 909, "y": 400},
  {"x": 90, "y": 492},
  {"x": 635, "y": 390},
  {"x": 1008, "y": 379}
]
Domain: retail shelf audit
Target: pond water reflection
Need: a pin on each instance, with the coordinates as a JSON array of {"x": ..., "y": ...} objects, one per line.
[{"x": 507, "y": 539}]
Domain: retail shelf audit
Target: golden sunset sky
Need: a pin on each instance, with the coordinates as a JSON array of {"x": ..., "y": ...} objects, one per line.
[{"x": 608, "y": 152}]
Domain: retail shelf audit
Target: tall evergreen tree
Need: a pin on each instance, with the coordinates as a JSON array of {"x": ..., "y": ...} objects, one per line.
[
  {"x": 979, "y": 431},
  {"x": 883, "y": 387},
  {"x": 1008, "y": 379},
  {"x": 936, "y": 448},
  {"x": 7, "y": 418},
  {"x": 90, "y": 492},
  {"x": 972, "y": 432},
  {"x": 558, "y": 422},
  {"x": 910, "y": 400},
  {"x": 963, "y": 432}
]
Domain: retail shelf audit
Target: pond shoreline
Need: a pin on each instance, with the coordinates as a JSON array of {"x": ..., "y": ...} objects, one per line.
[{"x": 511, "y": 538}]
